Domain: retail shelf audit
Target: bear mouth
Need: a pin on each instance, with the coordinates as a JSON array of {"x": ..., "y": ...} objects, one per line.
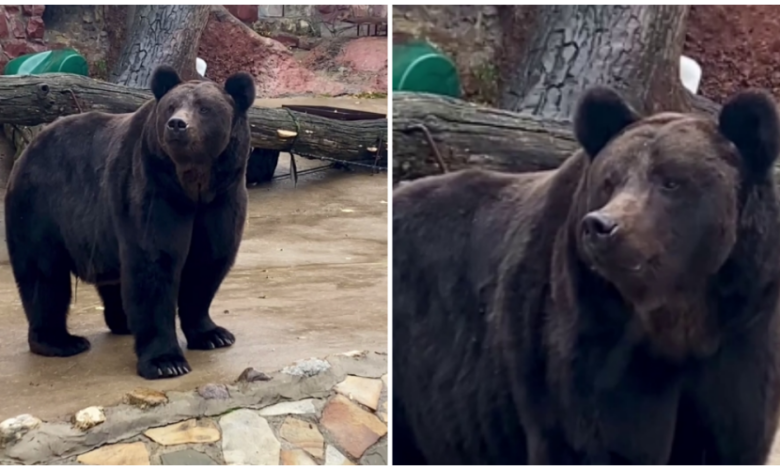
[
  {"x": 610, "y": 264},
  {"x": 178, "y": 139},
  {"x": 610, "y": 257}
]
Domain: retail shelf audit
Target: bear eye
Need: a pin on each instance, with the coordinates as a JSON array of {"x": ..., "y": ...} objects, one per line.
[
  {"x": 669, "y": 184},
  {"x": 608, "y": 185},
  {"x": 203, "y": 110}
]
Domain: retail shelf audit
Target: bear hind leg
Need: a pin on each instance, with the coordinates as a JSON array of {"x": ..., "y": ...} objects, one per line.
[
  {"x": 113, "y": 312},
  {"x": 45, "y": 295}
]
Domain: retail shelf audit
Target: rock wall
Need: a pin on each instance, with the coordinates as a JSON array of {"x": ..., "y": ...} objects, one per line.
[
  {"x": 331, "y": 411},
  {"x": 317, "y": 20},
  {"x": 21, "y": 31}
]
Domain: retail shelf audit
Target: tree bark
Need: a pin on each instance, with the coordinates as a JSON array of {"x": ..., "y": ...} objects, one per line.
[
  {"x": 469, "y": 135},
  {"x": 634, "y": 48},
  {"x": 161, "y": 35},
  {"x": 38, "y": 99}
]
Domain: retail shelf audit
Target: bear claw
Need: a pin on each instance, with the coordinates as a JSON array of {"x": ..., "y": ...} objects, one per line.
[
  {"x": 163, "y": 367},
  {"x": 216, "y": 338},
  {"x": 59, "y": 346}
]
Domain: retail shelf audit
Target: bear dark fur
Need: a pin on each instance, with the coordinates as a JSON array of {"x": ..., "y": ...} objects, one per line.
[
  {"x": 148, "y": 206},
  {"x": 619, "y": 309}
]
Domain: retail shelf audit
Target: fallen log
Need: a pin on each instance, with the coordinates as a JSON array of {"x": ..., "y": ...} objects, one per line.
[
  {"x": 40, "y": 99},
  {"x": 469, "y": 135}
]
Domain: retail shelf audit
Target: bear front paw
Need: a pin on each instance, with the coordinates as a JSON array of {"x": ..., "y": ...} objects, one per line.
[
  {"x": 60, "y": 345},
  {"x": 164, "y": 366},
  {"x": 212, "y": 339}
]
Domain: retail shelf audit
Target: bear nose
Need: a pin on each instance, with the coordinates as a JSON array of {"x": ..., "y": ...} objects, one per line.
[
  {"x": 176, "y": 124},
  {"x": 599, "y": 226}
]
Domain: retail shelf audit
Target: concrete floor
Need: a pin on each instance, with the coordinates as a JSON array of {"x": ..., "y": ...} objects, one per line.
[{"x": 310, "y": 280}]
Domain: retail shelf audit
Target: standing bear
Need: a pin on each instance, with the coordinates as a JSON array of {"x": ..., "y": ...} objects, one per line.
[
  {"x": 621, "y": 309},
  {"x": 148, "y": 206}
]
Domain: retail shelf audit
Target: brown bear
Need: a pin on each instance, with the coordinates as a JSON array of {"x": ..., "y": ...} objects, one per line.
[
  {"x": 148, "y": 206},
  {"x": 621, "y": 309}
]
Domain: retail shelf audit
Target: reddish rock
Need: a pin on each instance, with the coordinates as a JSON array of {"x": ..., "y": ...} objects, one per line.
[
  {"x": 228, "y": 48},
  {"x": 33, "y": 10},
  {"x": 20, "y": 32},
  {"x": 296, "y": 457},
  {"x": 367, "y": 54},
  {"x": 362, "y": 390},
  {"x": 16, "y": 48},
  {"x": 35, "y": 28},
  {"x": 303, "y": 435},
  {"x": 352, "y": 428},
  {"x": 12, "y": 9},
  {"x": 737, "y": 46},
  {"x": 245, "y": 13},
  {"x": 4, "y": 31}
]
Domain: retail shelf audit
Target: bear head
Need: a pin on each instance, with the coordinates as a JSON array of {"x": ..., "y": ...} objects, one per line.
[
  {"x": 195, "y": 121},
  {"x": 661, "y": 207}
]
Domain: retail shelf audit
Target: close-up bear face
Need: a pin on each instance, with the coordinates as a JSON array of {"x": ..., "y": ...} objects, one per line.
[
  {"x": 195, "y": 120},
  {"x": 661, "y": 201},
  {"x": 661, "y": 207}
]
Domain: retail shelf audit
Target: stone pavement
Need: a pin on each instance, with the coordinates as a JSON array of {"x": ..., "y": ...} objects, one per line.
[{"x": 330, "y": 411}]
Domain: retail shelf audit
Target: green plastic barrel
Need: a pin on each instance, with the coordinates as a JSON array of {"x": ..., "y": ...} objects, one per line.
[
  {"x": 59, "y": 61},
  {"x": 420, "y": 67}
]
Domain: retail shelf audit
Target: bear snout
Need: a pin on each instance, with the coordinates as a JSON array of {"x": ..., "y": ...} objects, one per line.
[
  {"x": 176, "y": 124},
  {"x": 176, "y": 131},
  {"x": 599, "y": 227},
  {"x": 177, "y": 127},
  {"x": 608, "y": 244},
  {"x": 599, "y": 232}
]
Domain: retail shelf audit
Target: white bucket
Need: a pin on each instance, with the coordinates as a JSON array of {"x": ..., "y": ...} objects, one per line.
[
  {"x": 690, "y": 74},
  {"x": 200, "y": 66}
]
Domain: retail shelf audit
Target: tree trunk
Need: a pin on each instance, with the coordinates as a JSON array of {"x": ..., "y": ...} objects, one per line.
[
  {"x": 469, "y": 136},
  {"x": 633, "y": 48},
  {"x": 38, "y": 99},
  {"x": 161, "y": 35}
]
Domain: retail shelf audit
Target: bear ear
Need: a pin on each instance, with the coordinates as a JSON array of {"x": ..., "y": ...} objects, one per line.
[
  {"x": 750, "y": 121},
  {"x": 601, "y": 115},
  {"x": 241, "y": 86},
  {"x": 164, "y": 79}
]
